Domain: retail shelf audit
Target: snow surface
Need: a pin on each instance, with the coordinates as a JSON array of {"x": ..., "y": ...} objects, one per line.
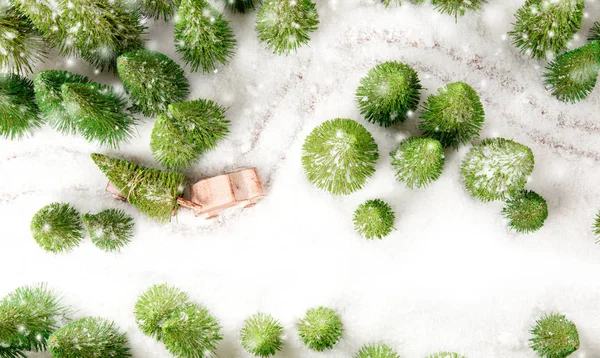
[{"x": 451, "y": 277}]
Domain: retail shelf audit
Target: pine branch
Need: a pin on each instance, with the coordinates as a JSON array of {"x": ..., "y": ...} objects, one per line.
[
  {"x": 188, "y": 130},
  {"x": 191, "y": 332},
  {"x": 374, "y": 219},
  {"x": 526, "y": 211},
  {"x": 159, "y": 9},
  {"x": 57, "y": 228},
  {"x": 554, "y": 336},
  {"x": 152, "y": 80},
  {"x": 376, "y": 351},
  {"x": 595, "y": 32},
  {"x": 339, "y": 156},
  {"x": 454, "y": 116},
  {"x": 457, "y": 8},
  {"x": 45, "y": 15},
  {"x": 203, "y": 36},
  {"x": 572, "y": 76},
  {"x": 320, "y": 329},
  {"x": 262, "y": 335},
  {"x": 110, "y": 229},
  {"x": 544, "y": 27},
  {"x": 240, "y": 6},
  {"x": 389, "y": 93},
  {"x": 285, "y": 25},
  {"x": 155, "y": 306},
  {"x": 418, "y": 161},
  {"x": 19, "y": 115},
  {"x": 21, "y": 46}
]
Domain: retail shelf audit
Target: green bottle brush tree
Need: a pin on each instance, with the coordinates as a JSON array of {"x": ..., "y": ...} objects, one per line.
[
  {"x": 110, "y": 229},
  {"x": 57, "y": 228},
  {"x": 320, "y": 329},
  {"x": 526, "y": 211},
  {"x": 19, "y": 115},
  {"x": 372, "y": 350},
  {"x": 374, "y": 219},
  {"x": 262, "y": 335},
  {"x": 554, "y": 336},
  {"x": 418, "y": 161}
]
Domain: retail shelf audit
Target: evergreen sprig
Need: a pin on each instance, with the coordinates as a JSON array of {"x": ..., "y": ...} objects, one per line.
[
  {"x": 99, "y": 112},
  {"x": 526, "y": 211},
  {"x": 374, "y": 219},
  {"x": 339, "y": 156},
  {"x": 203, "y": 36},
  {"x": 284, "y": 25},
  {"x": 57, "y": 227},
  {"x": 261, "y": 335},
  {"x": 572, "y": 76},
  {"x": 19, "y": 115},
  {"x": 418, "y": 161},
  {"x": 156, "y": 305},
  {"x": 554, "y": 336},
  {"x": 46, "y": 17},
  {"x": 159, "y": 9},
  {"x": 445, "y": 355},
  {"x": 28, "y": 316},
  {"x": 454, "y": 116},
  {"x": 595, "y": 32},
  {"x": 21, "y": 46},
  {"x": 48, "y": 95},
  {"x": 152, "y": 80},
  {"x": 497, "y": 168},
  {"x": 543, "y": 28},
  {"x": 596, "y": 228},
  {"x": 373, "y": 350},
  {"x": 457, "y": 8},
  {"x": 320, "y": 329},
  {"x": 110, "y": 229},
  {"x": 186, "y": 131},
  {"x": 89, "y": 337},
  {"x": 153, "y": 191},
  {"x": 241, "y": 6},
  {"x": 389, "y": 93}
]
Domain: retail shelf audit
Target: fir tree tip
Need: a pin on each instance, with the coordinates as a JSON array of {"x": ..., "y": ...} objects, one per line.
[
  {"x": 19, "y": 114},
  {"x": 110, "y": 229},
  {"x": 418, "y": 161},
  {"x": 261, "y": 335},
  {"x": 372, "y": 350},
  {"x": 554, "y": 336},
  {"x": 445, "y": 355},
  {"x": 374, "y": 219},
  {"x": 156, "y": 305},
  {"x": 57, "y": 227},
  {"x": 526, "y": 211},
  {"x": 320, "y": 329}
]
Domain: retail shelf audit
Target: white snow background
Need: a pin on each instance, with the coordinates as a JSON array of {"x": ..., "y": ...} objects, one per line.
[{"x": 451, "y": 277}]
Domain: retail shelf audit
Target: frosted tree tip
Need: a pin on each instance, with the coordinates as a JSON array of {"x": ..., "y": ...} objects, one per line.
[
  {"x": 57, "y": 228},
  {"x": 554, "y": 336},
  {"x": 156, "y": 305},
  {"x": 418, "y": 161},
  {"x": 110, "y": 229},
  {"x": 526, "y": 211},
  {"x": 374, "y": 219},
  {"x": 190, "y": 330},
  {"x": 320, "y": 329},
  {"x": 372, "y": 350},
  {"x": 19, "y": 115},
  {"x": 262, "y": 335},
  {"x": 457, "y": 8}
]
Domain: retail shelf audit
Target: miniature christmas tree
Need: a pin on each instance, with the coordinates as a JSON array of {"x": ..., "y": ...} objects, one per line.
[
  {"x": 554, "y": 336},
  {"x": 595, "y": 32},
  {"x": 240, "y": 5},
  {"x": 45, "y": 16},
  {"x": 153, "y": 191},
  {"x": 48, "y": 95},
  {"x": 203, "y": 36},
  {"x": 339, "y": 156},
  {"x": 99, "y": 31},
  {"x": 261, "y": 335},
  {"x": 374, "y": 219},
  {"x": 457, "y": 8},
  {"x": 454, "y": 116},
  {"x": 445, "y": 355},
  {"x": 572, "y": 76},
  {"x": 21, "y": 46},
  {"x": 389, "y": 93},
  {"x": 57, "y": 227},
  {"x": 526, "y": 211},
  {"x": 99, "y": 113},
  {"x": 155, "y": 306},
  {"x": 110, "y": 229},
  {"x": 376, "y": 351},
  {"x": 159, "y": 9},
  {"x": 596, "y": 228},
  {"x": 186, "y": 131},
  {"x": 497, "y": 168},
  {"x": 89, "y": 337},
  {"x": 28, "y": 316},
  {"x": 152, "y": 80},
  {"x": 19, "y": 116},
  {"x": 285, "y": 25},
  {"x": 418, "y": 161},
  {"x": 543, "y": 28},
  {"x": 320, "y": 329}
]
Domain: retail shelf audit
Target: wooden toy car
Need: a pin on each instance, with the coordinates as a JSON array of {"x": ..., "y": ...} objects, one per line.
[{"x": 209, "y": 196}]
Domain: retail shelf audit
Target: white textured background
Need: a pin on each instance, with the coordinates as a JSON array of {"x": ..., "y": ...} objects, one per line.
[{"x": 451, "y": 277}]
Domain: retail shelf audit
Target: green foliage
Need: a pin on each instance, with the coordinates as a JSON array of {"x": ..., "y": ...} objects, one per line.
[
  {"x": 48, "y": 95},
  {"x": 99, "y": 30},
  {"x": 19, "y": 115},
  {"x": 99, "y": 112},
  {"x": 554, "y": 336},
  {"x": 284, "y": 25},
  {"x": 21, "y": 46},
  {"x": 240, "y": 5},
  {"x": 572, "y": 76},
  {"x": 399, "y": 2},
  {"x": 57, "y": 227},
  {"x": 376, "y": 351},
  {"x": 153, "y": 191},
  {"x": 445, "y": 355},
  {"x": 156, "y": 305},
  {"x": 28, "y": 316},
  {"x": 110, "y": 229},
  {"x": 89, "y": 337},
  {"x": 261, "y": 335},
  {"x": 497, "y": 168},
  {"x": 543, "y": 28},
  {"x": 152, "y": 80},
  {"x": 595, "y": 32},
  {"x": 320, "y": 329},
  {"x": 454, "y": 116},
  {"x": 526, "y": 211},
  {"x": 389, "y": 93},
  {"x": 191, "y": 332},
  {"x": 596, "y": 228},
  {"x": 45, "y": 16},
  {"x": 374, "y": 219},
  {"x": 418, "y": 161},
  {"x": 159, "y": 9},
  {"x": 339, "y": 156},
  {"x": 457, "y": 8},
  {"x": 203, "y": 36},
  {"x": 186, "y": 131}
]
